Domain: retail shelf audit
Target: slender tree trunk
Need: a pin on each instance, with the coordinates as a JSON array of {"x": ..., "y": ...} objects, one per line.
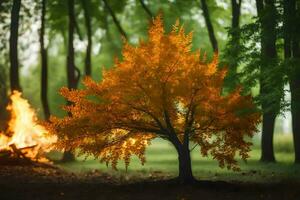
[
  {"x": 88, "y": 70},
  {"x": 234, "y": 48},
  {"x": 147, "y": 10},
  {"x": 235, "y": 25},
  {"x": 13, "y": 46},
  {"x": 73, "y": 74},
  {"x": 209, "y": 25},
  {"x": 71, "y": 71},
  {"x": 116, "y": 21},
  {"x": 44, "y": 63},
  {"x": 268, "y": 15}
]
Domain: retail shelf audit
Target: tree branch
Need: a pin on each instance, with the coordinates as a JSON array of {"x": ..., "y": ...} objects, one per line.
[
  {"x": 148, "y": 11},
  {"x": 117, "y": 23},
  {"x": 209, "y": 25}
]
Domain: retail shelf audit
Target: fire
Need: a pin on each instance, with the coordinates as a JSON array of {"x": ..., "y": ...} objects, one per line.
[{"x": 26, "y": 134}]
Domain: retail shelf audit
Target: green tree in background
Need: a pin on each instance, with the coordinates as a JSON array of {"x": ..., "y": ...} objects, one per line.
[{"x": 291, "y": 31}]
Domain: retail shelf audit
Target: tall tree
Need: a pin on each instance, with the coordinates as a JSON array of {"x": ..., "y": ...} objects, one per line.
[
  {"x": 73, "y": 73},
  {"x": 85, "y": 6},
  {"x": 160, "y": 101},
  {"x": 115, "y": 20},
  {"x": 267, "y": 15},
  {"x": 210, "y": 28},
  {"x": 44, "y": 64},
  {"x": 292, "y": 59},
  {"x": 13, "y": 46}
]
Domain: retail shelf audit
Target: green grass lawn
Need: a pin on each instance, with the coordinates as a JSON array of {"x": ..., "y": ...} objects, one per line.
[{"x": 162, "y": 159}]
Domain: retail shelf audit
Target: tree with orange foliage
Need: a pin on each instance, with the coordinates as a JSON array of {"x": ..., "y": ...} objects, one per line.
[{"x": 159, "y": 89}]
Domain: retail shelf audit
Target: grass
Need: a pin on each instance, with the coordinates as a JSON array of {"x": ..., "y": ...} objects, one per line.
[{"x": 162, "y": 159}]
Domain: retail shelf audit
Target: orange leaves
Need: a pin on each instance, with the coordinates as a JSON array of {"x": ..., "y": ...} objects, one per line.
[{"x": 159, "y": 89}]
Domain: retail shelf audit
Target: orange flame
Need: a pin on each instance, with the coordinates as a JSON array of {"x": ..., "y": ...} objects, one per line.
[{"x": 25, "y": 129}]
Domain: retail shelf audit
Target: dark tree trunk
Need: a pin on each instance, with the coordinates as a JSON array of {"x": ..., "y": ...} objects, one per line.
[
  {"x": 73, "y": 74},
  {"x": 13, "y": 46},
  {"x": 209, "y": 25},
  {"x": 267, "y": 151},
  {"x": 236, "y": 13},
  {"x": 185, "y": 175},
  {"x": 292, "y": 52},
  {"x": 116, "y": 21},
  {"x": 147, "y": 10},
  {"x": 71, "y": 68},
  {"x": 44, "y": 63},
  {"x": 295, "y": 109},
  {"x": 185, "y": 165},
  {"x": 88, "y": 68},
  {"x": 295, "y": 92},
  {"x": 267, "y": 16}
]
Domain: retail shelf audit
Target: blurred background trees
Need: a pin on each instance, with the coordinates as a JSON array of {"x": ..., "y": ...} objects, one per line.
[{"x": 44, "y": 46}]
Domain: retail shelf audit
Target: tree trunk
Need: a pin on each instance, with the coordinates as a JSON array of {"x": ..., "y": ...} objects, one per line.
[
  {"x": 88, "y": 70},
  {"x": 267, "y": 151},
  {"x": 71, "y": 71},
  {"x": 13, "y": 46},
  {"x": 292, "y": 52},
  {"x": 72, "y": 77},
  {"x": 267, "y": 14},
  {"x": 295, "y": 109},
  {"x": 295, "y": 93},
  {"x": 209, "y": 25},
  {"x": 184, "y": 159},
  {"x": 185, "y": 165},
  {"x": 44, "y": 63},
  {"x": 235, "y": 33},
  {"x": 233, "y": 50}
]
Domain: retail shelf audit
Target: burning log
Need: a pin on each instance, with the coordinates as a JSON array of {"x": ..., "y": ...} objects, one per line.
[{"x": 18, "y": 151}]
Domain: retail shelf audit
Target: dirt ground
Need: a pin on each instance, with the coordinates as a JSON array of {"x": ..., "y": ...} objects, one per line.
[{"x": 32, "y": 182}]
